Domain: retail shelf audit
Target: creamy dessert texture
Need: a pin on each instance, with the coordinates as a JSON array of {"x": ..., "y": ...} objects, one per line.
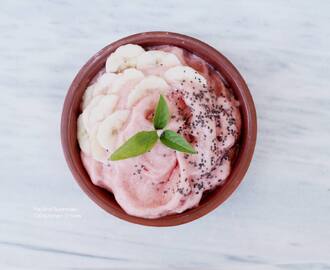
[{"x": 121, "y": 100}]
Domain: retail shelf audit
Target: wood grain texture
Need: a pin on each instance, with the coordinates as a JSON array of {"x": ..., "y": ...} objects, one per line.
[{"x": 279, "y": 216}]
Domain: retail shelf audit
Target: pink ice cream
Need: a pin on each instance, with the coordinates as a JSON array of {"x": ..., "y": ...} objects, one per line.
[{"x": 164, "y": 181}]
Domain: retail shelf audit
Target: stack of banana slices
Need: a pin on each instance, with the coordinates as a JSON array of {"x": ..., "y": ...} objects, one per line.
[{"x": 131, "y": 73}]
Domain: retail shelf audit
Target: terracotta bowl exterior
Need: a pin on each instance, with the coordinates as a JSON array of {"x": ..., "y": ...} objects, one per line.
[{"x": 71, "y": 110}]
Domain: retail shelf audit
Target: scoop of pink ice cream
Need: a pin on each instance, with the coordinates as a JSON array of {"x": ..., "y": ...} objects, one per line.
[{"x": 164, "y": 181}]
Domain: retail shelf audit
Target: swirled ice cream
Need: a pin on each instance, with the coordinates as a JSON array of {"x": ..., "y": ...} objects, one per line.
[{"x": 120, "y": 102}]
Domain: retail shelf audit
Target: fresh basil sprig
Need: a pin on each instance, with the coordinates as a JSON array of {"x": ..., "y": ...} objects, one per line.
[
  {"x": 144, "y": 141},
  {"x": 175, "y": 141},
  {"x": 138, "y": 144},
  {"x": 162, "y": 114}
]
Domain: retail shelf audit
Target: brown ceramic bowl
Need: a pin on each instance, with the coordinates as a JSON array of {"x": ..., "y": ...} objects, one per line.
[{"x": 233, "y": 79}]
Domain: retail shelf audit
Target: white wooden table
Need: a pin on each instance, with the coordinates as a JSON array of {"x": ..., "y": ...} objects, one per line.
[{"x": 279, "y": 218}]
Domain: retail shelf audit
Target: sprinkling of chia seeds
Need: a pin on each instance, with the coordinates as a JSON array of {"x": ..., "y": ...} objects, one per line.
[{"x": 200, "y": 185}]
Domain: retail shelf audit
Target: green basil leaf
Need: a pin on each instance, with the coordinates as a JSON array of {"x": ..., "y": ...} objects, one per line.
[
  {"x": 162, "y": 114},
  {"x": 137, "y": 145},
  {"x": 175, "y": 141}
]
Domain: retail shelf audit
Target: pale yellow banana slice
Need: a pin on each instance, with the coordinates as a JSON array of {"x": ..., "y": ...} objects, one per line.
[
  {"x": 154, "y": 59},
  {"x": 128, "y": 76},
  {"x": 124, "y": 57},
  {"x": 87, "y": 96},
  {"x": 99, "y": 108},
  {"x": 109, "y": 128},
  {"x": 82, "y": 136},
  {"x": 97, "y": 151},
  {"x": 184, "y": 74},
  {"x": 104, "y": 83},
  {"x": 148, "y": 85}
]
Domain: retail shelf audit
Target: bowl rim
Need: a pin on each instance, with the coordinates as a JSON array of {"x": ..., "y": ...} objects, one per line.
[{"x": 217, "y": 60}]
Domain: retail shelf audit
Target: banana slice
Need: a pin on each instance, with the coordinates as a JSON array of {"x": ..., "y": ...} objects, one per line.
[
  {"x": 98, "y": 109},
  {"x": 104, "y": 83},
  {"x": 124, "y": 57},
  {"x": 109, "y": 127},
  {"x": 184, "y": 74},
  {"x": 100, "y": 87},
  {"x": 128, "y": 76},
  {"x": 87, "y": 96},
  {"x": 82, "y": 136},
  {"x": 148, "y": 85},
  {"x": 153, "y": 59},
  {"x": 85, "y": 114},
  {"x": 97, "y": 151}
]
